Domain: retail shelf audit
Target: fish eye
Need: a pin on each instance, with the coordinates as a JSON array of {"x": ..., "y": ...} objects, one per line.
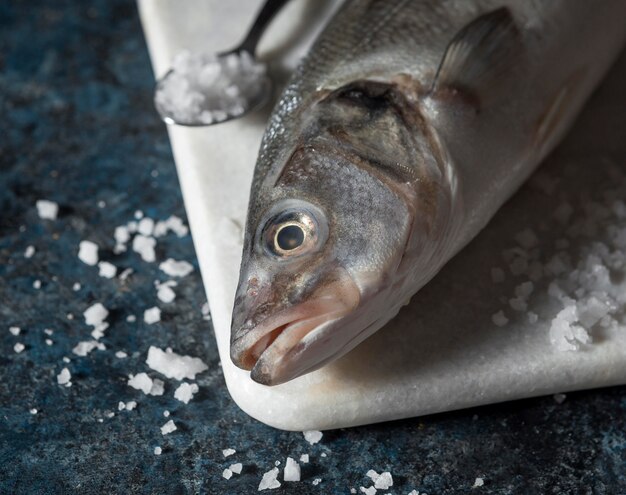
[{"x": 293, "y": 232}]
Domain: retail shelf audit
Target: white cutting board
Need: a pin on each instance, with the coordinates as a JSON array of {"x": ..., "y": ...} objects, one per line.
[{"x": 442, "y": 352}]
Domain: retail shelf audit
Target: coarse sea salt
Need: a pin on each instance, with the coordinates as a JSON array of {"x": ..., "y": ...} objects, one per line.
[
  {"x": 227, "y": 473},
  {"x": 316, "y": 481},
  {"x": 121, "y": 354},
  {"x": 15, "y": 330},
  {"x": 29, "y": 251},
  {"x": 368, "y": 491},
  {"x": 236, "y": 468},
  {"x": 175, "y": 268},
  {"x": 157, "y": 450},
  {"x": 292, "y": 470},
  {"x": 207, "y": 88},
  {"x": 152, "y": 315},
  {"x": 88, "y": 252},
  {"x": 84, "y": 348},
  {"x": 304, "y": 458},
  {"x": 37, "y": 284},
  {"x": 312, "y": 436},
  {"x": 47, "y": 210},
  {"x": 228, "y": 452},
  {"x": 33, "y": 410},
  {"x": 174, "y": 365},
  {"x": 144, "y": 246},
  {"x": 141, "y": 381},
  {"x": 64, "y": 377},
  {"x": 185, "y": 392},
  {"x": 478, "y": 482},
  {"x": 384, "y": 481},
  {"x": 168, "y": 427},
  {"x": 106, "y": 269},
  {"x": 269, "y": 480},
  {"x": 145, "y": 226},
  {"x": 165, "y": 293},
  {"x": 19, "y": 347}
]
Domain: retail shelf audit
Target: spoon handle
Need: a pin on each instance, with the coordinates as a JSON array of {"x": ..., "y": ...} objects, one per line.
[{"x": 267, "y": 13}]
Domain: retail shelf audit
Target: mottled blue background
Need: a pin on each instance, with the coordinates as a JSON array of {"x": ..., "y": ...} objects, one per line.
[{"x": 78, "y": 127}]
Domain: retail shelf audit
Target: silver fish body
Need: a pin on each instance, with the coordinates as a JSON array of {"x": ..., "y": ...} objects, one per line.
[{"x": 398, "y": 138}]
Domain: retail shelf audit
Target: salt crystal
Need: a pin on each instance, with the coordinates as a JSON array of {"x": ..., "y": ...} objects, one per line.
[
  {"x": 121, "y": 234},
  {"x": 33, "y": 411},
  {"x": 312, "y": 436},
  {"x": 15, "y": 330},
  {"x": 158, "y": 450},
  {"x": 140, "y": 381},
  {"x": 138, "y": 214},
  {"x": 29, "y": 252},
  {"x": 228, "y": 452},
  {"x": 37, "y": 284},
  {"x": 497, "y": 275},
  {"x": 368, "y": 491},
  {"x": 48, "y": 331},
  {"x": 352, "y": 490},
  {"x": 110, "y": 414},
  {"x": 236, "y": 468},
  {"x": 175, "y": 366},
  {"x": 145, "y": 247},
  {"x": 88, "y": 252},
  {"x": 76, "y": 287},
  {"x": 384, "y": 481},
  {"x": 175, "y": 268},
  {"x": 165, "y": 292},
  {"x": 559, "y": 398},
  {"x": 101, "y": 204},
  {"x": 527, "y": 239},
  {"x": 106, "y": 269},
  {"x": 292, "y": 470},
  {"x": 373, "y": 475},
  {"x": 227, "y": 473},
  {"x": 185, "y": 392},
  {"x": 413, "y": 492},
  {"x": 131, "y": 318},
  {"x": 478, "y": 482},
  {"x": 49, "y": 342},
  {"x": 47, "y": 210},
  {"x": 316, "y": 481},
  {"x": 85, "y": 347},
  {"x": 145, "y": 226},
  {"x": 499, "y": 319},
  {"x": 19, "y": 347},
  {"x": 269, "y": 480},
  {"x": 158, "y": 387},
  {"x": 304, "y": 458},
  {"x": 121, "y": 354},
  {"x": 121, "y": 406},
  {"x": 152, "y": 315},
  {"x": 130, "y": 405},
  {"x": 168, "y": 427},
  {"x": 64, "y": 377},
  {"x": 66, "y": 359}
]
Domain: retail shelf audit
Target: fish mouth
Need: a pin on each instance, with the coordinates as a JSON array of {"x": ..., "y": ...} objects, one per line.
[{"x": 274, "y": 351}]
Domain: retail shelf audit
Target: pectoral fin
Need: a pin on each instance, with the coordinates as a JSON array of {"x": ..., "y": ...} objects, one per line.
[{"x": 478, "y": 56}]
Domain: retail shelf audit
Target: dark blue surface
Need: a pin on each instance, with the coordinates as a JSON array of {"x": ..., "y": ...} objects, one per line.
[{"x": 78, "y": 127}]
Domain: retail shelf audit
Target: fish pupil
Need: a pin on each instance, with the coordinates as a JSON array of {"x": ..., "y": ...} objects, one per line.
[{"x": 290, "y": 237}]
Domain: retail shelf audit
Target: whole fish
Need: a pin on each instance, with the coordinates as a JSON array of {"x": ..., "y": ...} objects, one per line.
[{"x": 400, "y": 135}]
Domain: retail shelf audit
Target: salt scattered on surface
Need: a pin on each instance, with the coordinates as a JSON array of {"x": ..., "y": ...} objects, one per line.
[
  {"x": 130, "y": 405},
  {"x": 478, "y": 482},
  {"x": 138, "y": 214},
  {"x": 145, "y": 226},
  {"x": 33, "y": 411},
  {"x": 175, "y": 268},
  {"x": 49, "y": 342},
  {"x": 312, "y": 436},
  {"x": 19, "y": 347},
  {"x": 499, "y": 319},
  {"x": 121, "y": 354},
  {"x": 29, "y": 252},
  {"x": 228, "y": 452},
  {"x": 65, "y": 377},
  {"x": 106, "y": 269},
  {"x": 88, "y": 252},
  {"x": 84, "y": 348},
  {"x": 47, "y": 210},
  {"x": 131, "y": 318},
  {"x": 292, "y": 470},
  {"x": 304, "y": 458},
  {"x": 48, "y": 331},
  {"x": 76, "y": 287},
  {"x": 174, "y": 365},
  {"x": 384, "y": 481},
  {"x": 166, "y": 413},
  {"x": 227, "y": 473},
  {"x": 94, "y": 316},
  {"x": 140, "y": 381},
  {"x": 144, "y": 245},
  {"x": 173, "y": 224},
  {"x": 269, "y": 481},
  {"x": 152, "y": 315},
  {"x": 368, "y": 491},
  {"x": 236, "y": 468},
  {"x": 15, "y": 330},
  {"x": 158, "y": 450},
  {"x": 185, "y": 392},
  {"x": 316, "y": 481},
  {"x": 206, "y": 88},
  {"x": 168, "y": 427},
  {"x": 37, "y": 284},
  {"x": 165, "y": 293}
]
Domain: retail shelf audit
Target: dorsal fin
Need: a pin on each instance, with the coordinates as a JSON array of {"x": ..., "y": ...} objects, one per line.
[{"x": 479, "y": 55}]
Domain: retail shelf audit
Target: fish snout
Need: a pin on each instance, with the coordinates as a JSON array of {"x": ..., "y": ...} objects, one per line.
[{"x": 267, "y": 331}]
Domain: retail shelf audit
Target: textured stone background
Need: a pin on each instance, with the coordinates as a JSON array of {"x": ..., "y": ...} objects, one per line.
[{"x": 78, "y": 127}]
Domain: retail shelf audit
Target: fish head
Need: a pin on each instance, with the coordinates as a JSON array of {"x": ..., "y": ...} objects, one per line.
[{"x": 326, "y": 236}]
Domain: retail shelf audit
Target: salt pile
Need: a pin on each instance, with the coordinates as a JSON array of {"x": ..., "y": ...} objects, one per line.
[
  {"x": 207, "y": 89},
  {"x": 173, "y": 365}
]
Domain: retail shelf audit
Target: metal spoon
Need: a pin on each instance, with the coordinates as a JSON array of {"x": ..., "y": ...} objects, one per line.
[{"x": 258, "y": 86}]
